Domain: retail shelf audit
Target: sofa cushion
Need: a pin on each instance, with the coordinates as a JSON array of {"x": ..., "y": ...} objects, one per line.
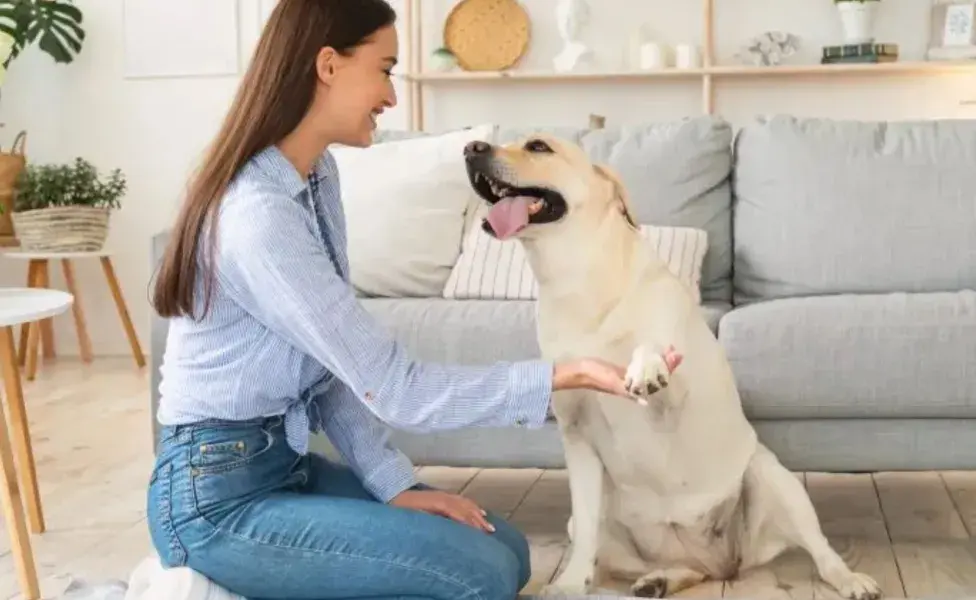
[
  {"x": 825, "y": 206},
  {"x": 404, "y": 228},
  {"x": 677, "y": 174},
  {"x": 855, "y": 356},
  {"x": 472, "y": 331},
  {"x": 460, "y": 331},
  {"x": 490, "y": 268}
]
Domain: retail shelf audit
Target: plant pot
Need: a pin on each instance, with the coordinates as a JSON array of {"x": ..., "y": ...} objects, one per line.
[
  {"x": 62, "y": 229},
  {"x": 857, "y": 18},
  {"x": 442, "y": 60}
]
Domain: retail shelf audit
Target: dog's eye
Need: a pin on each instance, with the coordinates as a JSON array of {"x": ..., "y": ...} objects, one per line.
[{"x": 537, "y": 146}]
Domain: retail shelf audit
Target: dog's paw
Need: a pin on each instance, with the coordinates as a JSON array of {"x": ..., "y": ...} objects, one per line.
[
  {"x": 660, "y": 583},
  {"x": 650, "y": 587},
  {"x": 859, "y": 586},
  {"x": 647, "y": 374}
]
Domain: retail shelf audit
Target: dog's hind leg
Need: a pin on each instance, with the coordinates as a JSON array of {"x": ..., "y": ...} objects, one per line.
[
  {"x": 779, "y": 506},
  {"x": 586, "y": 498},
  {"x": 618, "y": 557}
]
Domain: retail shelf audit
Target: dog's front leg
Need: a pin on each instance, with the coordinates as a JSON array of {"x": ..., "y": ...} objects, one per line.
[
  {"x": 649, "y": 373},
  {"x": 661, "y": 339},
  {"x": 586, "y": 497}
]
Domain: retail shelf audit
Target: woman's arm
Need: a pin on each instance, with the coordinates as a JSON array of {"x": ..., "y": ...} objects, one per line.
[
  {"x": 363, "y": 442},
  {"x": 275, "y": 266}
]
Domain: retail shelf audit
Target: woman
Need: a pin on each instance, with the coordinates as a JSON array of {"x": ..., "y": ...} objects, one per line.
[{"x": 268, "y": 342}]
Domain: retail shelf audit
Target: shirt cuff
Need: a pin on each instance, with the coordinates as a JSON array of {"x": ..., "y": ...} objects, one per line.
[
  {"x": 531, "y": 385},
  {"x": 389, "y": 479}
]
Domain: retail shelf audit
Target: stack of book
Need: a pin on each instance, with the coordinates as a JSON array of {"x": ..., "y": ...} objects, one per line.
[{"x": 872, "y": 52}]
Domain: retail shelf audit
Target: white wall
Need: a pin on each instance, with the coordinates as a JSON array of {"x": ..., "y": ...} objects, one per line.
[{"x": 88, "y": 108}]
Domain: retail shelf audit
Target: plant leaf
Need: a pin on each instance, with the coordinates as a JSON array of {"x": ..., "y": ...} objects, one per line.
[
  {"x": 54, "y": 24},
  {"x": 66, "y": 11},
  {"x": 66, "y": 24},
  {"x": 17, "y": 16},
  {"x": 55, "y": 47}
]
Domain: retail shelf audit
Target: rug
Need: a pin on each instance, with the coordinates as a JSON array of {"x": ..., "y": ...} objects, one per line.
[
  {"x": 80, "y": 589},
  {"x": 149, "y": 581}
]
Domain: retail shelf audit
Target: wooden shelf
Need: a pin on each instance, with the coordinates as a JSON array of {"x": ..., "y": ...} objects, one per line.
[
  {"x": 707, "y": 75},
  {"x": 892, "y": 68},
  {"x": 919, "y": 67},
  {"x": 452, "y": 76}
]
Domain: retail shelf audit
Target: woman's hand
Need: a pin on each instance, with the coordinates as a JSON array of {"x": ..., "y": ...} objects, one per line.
[
  {"x": 452, "y": 506},
  {"x": 600, "y": 375}
]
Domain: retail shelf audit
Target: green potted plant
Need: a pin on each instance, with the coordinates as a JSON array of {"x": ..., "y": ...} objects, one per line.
[
  {"x": 857, "y": 18},
  {"x": 55, "y": 26},
  {"x": 65, "y": 207}
]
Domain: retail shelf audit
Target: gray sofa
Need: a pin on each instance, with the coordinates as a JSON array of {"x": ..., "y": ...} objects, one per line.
[{"x": 839, "y": 278}]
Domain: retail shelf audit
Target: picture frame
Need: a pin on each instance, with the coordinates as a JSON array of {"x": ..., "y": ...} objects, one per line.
[
  {"x": 207, "y": 43},
  {"x": 953, "y": 30}
]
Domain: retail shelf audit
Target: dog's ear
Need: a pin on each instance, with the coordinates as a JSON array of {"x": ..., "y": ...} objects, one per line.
[{"x": 620, "y": 196}]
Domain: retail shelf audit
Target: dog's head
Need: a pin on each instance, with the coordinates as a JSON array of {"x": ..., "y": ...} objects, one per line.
[{"x": 539, "y": 181}]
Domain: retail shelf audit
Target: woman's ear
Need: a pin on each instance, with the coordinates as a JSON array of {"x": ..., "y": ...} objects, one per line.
[{"x": 325, "y": 64}]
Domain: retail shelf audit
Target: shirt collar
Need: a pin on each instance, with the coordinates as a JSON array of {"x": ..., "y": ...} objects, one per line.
[{"x": 276, "y": 166}]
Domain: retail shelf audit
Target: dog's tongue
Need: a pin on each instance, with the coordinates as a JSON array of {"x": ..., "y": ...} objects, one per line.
[{"x": 509, "y": 215}]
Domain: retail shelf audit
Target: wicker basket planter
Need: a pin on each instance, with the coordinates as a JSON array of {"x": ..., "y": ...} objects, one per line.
[{"x": 62, "y": 229}]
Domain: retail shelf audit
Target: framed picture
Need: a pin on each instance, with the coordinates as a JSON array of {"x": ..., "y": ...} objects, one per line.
[
  {"x": 180, "y": 38},
  {"x": 953, "y": 30}
]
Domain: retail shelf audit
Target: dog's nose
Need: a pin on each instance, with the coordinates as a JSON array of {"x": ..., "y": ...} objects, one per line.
[{"x": 476, "y": 147}]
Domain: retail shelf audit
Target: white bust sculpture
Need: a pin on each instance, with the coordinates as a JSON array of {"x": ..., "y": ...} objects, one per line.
[{"x": 571, "y": 17}]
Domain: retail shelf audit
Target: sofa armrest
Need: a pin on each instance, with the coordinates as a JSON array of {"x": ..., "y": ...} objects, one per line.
[{"x": 157, "y": 335}]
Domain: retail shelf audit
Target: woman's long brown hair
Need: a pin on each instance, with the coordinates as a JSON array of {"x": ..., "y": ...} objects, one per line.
[{"x": 272, "y": 99}]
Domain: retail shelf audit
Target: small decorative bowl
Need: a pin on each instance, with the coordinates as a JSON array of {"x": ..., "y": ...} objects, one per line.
[{"x": 442, "y": 59}]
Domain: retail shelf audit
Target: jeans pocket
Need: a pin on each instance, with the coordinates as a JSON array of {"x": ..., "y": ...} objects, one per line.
[
  {"x": 232, "y": 464},
  {"x": 218, "y": 450}
]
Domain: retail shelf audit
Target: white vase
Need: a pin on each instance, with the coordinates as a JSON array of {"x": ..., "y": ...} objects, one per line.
[{"x": 857, "y": 19}]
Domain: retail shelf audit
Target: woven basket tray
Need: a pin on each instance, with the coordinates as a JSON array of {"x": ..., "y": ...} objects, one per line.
[
  {"x": 62, "y": 229},
  {"x": 11, "y": 165},
  {"x": 487, "y": 35}
]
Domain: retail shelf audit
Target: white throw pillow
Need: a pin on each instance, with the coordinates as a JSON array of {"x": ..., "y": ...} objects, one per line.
[
  {"x": 405, "y": 204},
  {"x": 492, "y": 269},
  {"x": 151, "y": 581}
]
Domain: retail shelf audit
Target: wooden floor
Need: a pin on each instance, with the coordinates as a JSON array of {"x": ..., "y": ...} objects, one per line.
[{"x": 91, "y": 429}]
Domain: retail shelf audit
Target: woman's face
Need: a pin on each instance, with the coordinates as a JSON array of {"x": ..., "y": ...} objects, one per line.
[{"x": 355, "y": 89}]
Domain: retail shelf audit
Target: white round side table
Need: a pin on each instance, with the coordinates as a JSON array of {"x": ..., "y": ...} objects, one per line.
[
  {"x": 19, "y": 306},
  {"x": 38, "y": 277}
]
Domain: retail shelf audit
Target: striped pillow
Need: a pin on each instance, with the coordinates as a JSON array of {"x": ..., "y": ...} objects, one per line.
[{"x": 491, "y": 269}]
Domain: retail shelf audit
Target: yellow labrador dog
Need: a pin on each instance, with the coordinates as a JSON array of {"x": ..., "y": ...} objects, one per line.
[{"x": 673, "y": 489}]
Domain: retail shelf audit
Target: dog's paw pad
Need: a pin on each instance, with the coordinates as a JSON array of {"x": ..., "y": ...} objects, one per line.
[
  {"x": 647, "y": 373},
  {"x": 650, "y": 587},
  {"x": 860, "y": 586}
]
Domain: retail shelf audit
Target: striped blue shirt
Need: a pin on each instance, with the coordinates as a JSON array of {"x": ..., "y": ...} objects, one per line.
[{"x": 286, "y": 335}]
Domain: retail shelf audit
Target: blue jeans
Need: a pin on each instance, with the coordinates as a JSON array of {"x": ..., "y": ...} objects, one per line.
[{"x": 234, "y": 502}]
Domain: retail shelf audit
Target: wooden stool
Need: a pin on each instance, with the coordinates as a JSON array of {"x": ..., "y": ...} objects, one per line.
[
  {"x": 19, "y": 306},
  {"x": 38, "y": 277}
]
